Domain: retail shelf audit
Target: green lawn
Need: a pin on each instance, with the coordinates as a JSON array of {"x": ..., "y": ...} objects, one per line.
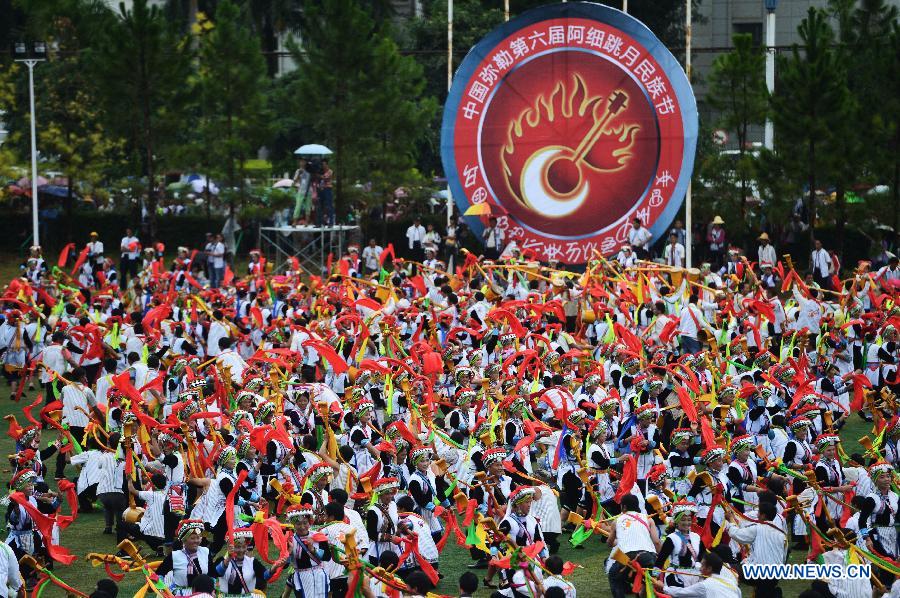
[{"x": 85, "y": 535}]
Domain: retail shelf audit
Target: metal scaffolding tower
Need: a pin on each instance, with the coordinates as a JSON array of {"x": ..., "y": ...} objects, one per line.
[{"x": 311, "y": 245}]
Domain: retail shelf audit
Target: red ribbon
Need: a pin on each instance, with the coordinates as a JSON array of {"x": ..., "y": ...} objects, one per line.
[
  {"x": 412, "y": 548},
  {"x": 44, "y": 524}
]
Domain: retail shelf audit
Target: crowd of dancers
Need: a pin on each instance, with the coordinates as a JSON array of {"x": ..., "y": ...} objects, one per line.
[{"x": 337, "y": 433}]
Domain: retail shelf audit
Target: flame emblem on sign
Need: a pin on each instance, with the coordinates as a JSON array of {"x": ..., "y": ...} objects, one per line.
[{"x": 556, "y": 179}]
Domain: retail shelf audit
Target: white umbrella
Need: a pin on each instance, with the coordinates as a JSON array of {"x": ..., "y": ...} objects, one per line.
[
  {"x": 313, "y": 149},
  {"x": 199, "y": 186},
  {"x": 283, "y": 183}
]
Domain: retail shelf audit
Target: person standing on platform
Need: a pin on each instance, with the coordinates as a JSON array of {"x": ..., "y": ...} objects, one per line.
[
  {"x": 493, "y": 240},
  {"x": 821, "y": 266},
  {"x": 639, "y": 238},
  {"x": 371, "y": 257},
  {"x": 416, "y": 236},
  {"x": 326, "y": 196},
  {"x": 217, "y": 262},
  {"x": 673, "y": 254}
]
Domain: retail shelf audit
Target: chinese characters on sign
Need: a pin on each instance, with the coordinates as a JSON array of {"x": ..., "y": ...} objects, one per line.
[{"x": 571, "y": 120}]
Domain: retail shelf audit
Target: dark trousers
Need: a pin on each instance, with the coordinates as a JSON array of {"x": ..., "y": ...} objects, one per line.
[
  {"x": 763, "y": 587},
  {"x": 326, "y": 207},
  {"x": 219, "y": 530},
  {"x": 339, "y": 586},
  {"x": 127, "y": 268},
  {"x": 823, "y": 281},
  {"x": 113, "y": 505},
  {"x": 86, "y": 499},
  {"x": 134, "y": 530},
  {"x": 620, "y": 576},
  {"x": 47, "y": 389}
]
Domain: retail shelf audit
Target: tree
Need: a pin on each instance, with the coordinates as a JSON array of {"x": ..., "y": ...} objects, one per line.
[
  {"x": 472, "y": 20},
  {"x": 141, "y": 67},
  {"x": 871, "y": 49},
  {"x": 71, "y": 135},
  {"x": 231, "y": 80},
  {"x": 737, "y": 89},
  {"x": 887, "y": 120},
  {"x": 8, "y": 73},
  {"x": 355, "y": 90},
  {"x": 809, "y": 103}
]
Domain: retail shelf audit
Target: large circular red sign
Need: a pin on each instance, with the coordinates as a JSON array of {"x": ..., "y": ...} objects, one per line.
[{"x": 569, "y": 122}]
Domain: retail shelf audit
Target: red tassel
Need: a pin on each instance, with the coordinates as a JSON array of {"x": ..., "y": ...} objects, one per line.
[
  {"x": 815, "y": 545},
  {"x": 229, "y": 503},
  {"x": 629, "y": 477},
  {"x": 116, "y": 577},
  {"x": 707, "y": 535},
  {"x": 638, "y": 585},
  {"x": 707, "y": 434},
  {"x": 687, "y": 405}
]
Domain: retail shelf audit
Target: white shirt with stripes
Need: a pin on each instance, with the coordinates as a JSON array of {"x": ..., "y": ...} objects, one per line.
[
  {"x": 90, "y": 470},
  {"x": 152, "y": 523},
  {"x": 77, "y": 400},
  {"x": 768, "y": 544},
  {"x": 111, "y": 473}
]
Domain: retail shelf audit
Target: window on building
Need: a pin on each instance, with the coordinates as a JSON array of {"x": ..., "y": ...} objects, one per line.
[{"x": 755, "y": 30}]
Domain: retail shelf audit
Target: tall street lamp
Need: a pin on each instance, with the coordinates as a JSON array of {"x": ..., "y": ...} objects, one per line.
[
  {"x": 31, "y": 55},
  {"x": 771, "y": 5}
]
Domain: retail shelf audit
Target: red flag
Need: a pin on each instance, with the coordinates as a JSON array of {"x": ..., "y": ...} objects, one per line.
[
  {"x": 328, "y": 264},
  {"x": 504, "y": 315},
  {"x": 80, "y": 261},
  {"x": 668, "y": 331},
  {"x": 629, "y": 477},
  {"x": 418, "y": 283},
  {"x": 328, "y": 353},
  {"x": 630, "y": 339},
  {"x": 64, "y": 255},
  {"x": 387, "y": 253},
  {"x": 836, "y": 283},
  {"x": 44, "y": 523},
  {"x": 257, "y": 316},
  {"x": 344, "y": 267},
  {"x": 860, "y": 382},
  {"x": 229, "y": 276}
]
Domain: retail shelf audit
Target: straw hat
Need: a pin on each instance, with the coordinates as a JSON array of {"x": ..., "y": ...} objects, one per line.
[
  {"x": 763, "y": 237},
  {"x": 718, "y": 220}
]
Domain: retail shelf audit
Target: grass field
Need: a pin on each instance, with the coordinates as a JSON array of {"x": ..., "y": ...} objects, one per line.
[{"x": 85, "y": 535}]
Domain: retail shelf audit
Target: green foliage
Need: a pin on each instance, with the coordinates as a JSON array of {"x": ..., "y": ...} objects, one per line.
[
  {"x": 72, "y": 134},
  {"x": 140, "y": 65},
  {"x": 9, "y": 72},
  {"x": 810, "y": 103},
  {"x": 357, "y": 94},
  {"x": 737, "y": 89},
  {"x": 230, "y": 85}
]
